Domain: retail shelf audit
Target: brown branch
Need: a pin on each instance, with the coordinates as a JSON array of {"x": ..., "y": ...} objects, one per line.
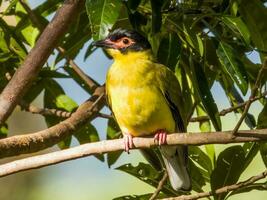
[
  {"x": 43, "y": 111},
  {"x": 160, "y": 185},
  {"x": 224, "y": 189},
  {"x": 228, "y": 110},
  {"x": 36, "y": 110},
  {"x": 34, "y": 142},
  {"x": 87, "y": 79},
  {"x": 28, "y": 71},
  {"x": 252, "y": 95},
  {"x": 36, "y": 21},
  {"x": 106, "y": 116},
  {"x": 118, "y": 144}
]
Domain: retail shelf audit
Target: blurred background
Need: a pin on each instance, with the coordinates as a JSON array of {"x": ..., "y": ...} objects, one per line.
[{"x": 88, "y": 178}]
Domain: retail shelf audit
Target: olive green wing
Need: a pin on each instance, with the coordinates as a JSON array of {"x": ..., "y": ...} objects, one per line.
[{"x": 171, "y": 90}]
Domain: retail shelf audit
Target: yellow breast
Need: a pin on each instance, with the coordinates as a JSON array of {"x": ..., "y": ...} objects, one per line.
[{"x": 136, "y": 100}]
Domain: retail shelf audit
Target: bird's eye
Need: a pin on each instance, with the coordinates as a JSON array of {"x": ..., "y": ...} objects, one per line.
[{"x": 125, "y": 41}]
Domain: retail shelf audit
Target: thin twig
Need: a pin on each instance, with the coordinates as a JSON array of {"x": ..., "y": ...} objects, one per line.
[
  {"x": 228, "y": 110},
  {"x": 222, "y": 190},
  {"x": 36, "y": 110},
  {"x": 118, "y": 144},
  {"x": 43, "y": 111},
  {"x": 252, "y": 95},
  {"x": 160, "y": 185},
  {"x": 87, "y": 79},
  {"x": 106, "y": 116}
]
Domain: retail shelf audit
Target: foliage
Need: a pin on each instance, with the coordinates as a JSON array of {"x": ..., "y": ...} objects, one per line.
[{"x": 203, "y": 42}]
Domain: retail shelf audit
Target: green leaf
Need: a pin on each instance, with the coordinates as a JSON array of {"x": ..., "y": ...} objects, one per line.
[
  {"x": 186, "y": 90},
  {"x": 262, "y": 118},
  {"x": 77, "y": 79},
  {"x": 229, "y": 166},
  {"x": 156, "y": 15},
  {"x": 201, "y": 84},
  {"x": 54, "y": 97},
  {"x": 48, "y": 7},
  {"x": 11, "y": 6},
  {"x": 254, "y": 11},
  {"x": 198, "y": 156},
  {"x": 211, "y": 60},
  {"x": 205, "y": 127},
  {"x": 3, "y": 130},
  {"x": 48, "y": 73},
  {"x": 102, "y": 15},
  {"x": 133, "y": 4},
  {"x": 262, "y": 123},
  {"x": 169, "y": 50},
  {"x": 192, "y": 38},
  {"x": 29, "y": 33},
  {"x": 235, "y": 98},
  {"x": 65, "y": 144},
  {"x": 237, "y": 25},
  {"x": 88, "y": 134},
  {"x": 13, "y": 41},
  {"x": 36, "y": 88},
  {"x": 90, "y": 49},
  {"x": 198, "y": 176},
  {"x": 263, "y": 151},
  {"x": 147, "y": 174},
  {"x": 76, "y": 38},
  {"x": 251, "y": 149},
  {"x": 233, "y": 66},
  {"x": 113, "y": 132}
]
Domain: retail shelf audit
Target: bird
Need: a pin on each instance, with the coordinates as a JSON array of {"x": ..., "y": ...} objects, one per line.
[{"x": 144, "y": 98}]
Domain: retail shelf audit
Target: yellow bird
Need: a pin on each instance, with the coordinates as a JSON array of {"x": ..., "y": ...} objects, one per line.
[{"x": 144, "y": 98}]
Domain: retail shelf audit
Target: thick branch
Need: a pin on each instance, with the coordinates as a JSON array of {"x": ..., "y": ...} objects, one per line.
[
  {"x": 43, "y": 139},
  {"x": 224, "y": 189},
  {"x": 118, "y": 144},
  {"x": 29, "y": 70}
]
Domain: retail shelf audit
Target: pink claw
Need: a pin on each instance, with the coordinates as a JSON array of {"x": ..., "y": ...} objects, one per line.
[
  {"x": 128, "y": 142},
  {"x": 161, "y": 136}
]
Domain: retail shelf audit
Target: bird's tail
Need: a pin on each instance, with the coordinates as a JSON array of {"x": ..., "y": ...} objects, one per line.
[{"x": 176, "y": 165}]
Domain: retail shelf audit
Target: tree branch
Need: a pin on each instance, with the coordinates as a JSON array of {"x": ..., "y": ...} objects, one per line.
[
  {"x": 42, "y": 111},
  {"x": 34, "y": 142},
  {"x": 34, "y": 61},
  {"x": 160, "y": 185},
  {"x": 252, "y": 95},
  {"x": 224, "y": 189},
  {"x": 230, "y": 109},
  {"x": 118, "y": 144}
]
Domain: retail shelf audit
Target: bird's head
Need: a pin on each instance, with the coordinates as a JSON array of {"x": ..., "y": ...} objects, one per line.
[{"x": 121, "y": 42}]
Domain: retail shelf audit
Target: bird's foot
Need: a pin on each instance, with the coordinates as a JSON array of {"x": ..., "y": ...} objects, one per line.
[
  {"x": 160, "y": 136},
  {"x": 128, "y": 142}
]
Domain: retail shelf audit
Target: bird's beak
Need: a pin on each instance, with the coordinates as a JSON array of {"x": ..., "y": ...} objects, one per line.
[{"x": 106, "y": 43}]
